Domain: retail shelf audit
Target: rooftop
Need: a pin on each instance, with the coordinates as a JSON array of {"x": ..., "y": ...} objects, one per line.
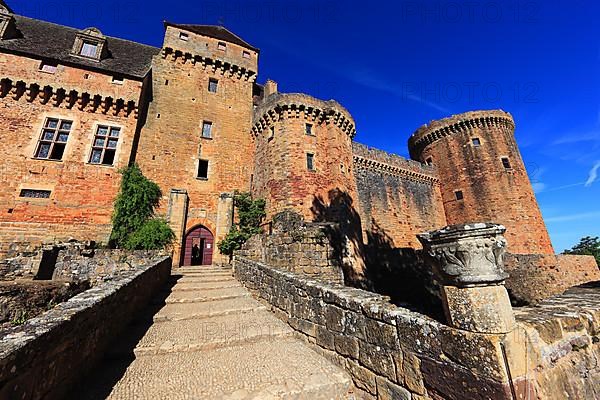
[{"x": 215, "y": 32}]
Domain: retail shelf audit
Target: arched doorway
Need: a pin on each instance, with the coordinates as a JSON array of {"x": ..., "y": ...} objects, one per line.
[{"x": 198, "y": 247}]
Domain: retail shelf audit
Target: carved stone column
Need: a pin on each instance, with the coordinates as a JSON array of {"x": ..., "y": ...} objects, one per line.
[{"x": 467, "y": 261}]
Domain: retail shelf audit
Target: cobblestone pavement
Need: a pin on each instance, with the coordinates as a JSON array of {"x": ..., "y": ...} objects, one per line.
[{"x": 207, "y": 338}]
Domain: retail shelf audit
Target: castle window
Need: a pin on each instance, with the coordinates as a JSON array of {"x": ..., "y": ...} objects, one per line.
[
  {"x": 476, "y": 142},
  {"x": 506, "y": 163},
  {"x": 53, "y": 140},
  {"x": 459, "y": 195},
  {"x": 271, "y": 132},
  {"x": 202, "y": 169},
  {"x": 342, "y": 168},
  {"x": 207, "y": 129},
  {"x": 118, "y": 80},
  {"x": 105, "y": 145},
  {"x": 89, "y": 49},
  {"x": 213, "y": 84},
  {"x": 246, "y": 54},
  {"x": 222, "y": 46},
  {"x": 309, "y": 129},
  {"x": 310, "y": 161},
  {"x": 184, "y": 36},
  {"x": 48, "y": 67},
  {"x": 35, "y": 194},
  {"x": 429, "y": 161}
]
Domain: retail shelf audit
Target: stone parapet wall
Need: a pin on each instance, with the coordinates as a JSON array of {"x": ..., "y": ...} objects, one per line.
[
  {"x": 45, "y": 356},
  {"x": 534, "y": 277},
  {"x": 390, "y": 352}
]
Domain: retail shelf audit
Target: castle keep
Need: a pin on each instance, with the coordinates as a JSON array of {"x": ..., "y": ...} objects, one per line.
[{"x": 80, "y": 105}]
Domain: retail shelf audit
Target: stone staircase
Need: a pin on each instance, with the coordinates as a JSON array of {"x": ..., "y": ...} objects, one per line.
[{"x": 207, "y": 338}]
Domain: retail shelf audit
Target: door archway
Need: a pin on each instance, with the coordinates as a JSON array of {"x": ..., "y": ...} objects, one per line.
[{"x": 198, "y": 247}]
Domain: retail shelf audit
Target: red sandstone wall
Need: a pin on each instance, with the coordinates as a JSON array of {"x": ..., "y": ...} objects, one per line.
[
  {"x": 398, "y": 198},
  {"x": 170, "y": 140},
  {"x": 491, "y": 192},
  {"x": 281, "y": 175},
  {"x": 82, "y": 194}
]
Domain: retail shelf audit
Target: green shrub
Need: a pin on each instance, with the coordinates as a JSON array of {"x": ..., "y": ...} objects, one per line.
[
  {"x": 134, "y": 225},
  {"x": 154, "y": 234},
  {"x": 250, "y": 213}
]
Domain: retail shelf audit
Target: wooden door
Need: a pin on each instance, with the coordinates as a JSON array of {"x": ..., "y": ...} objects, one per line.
[{"x": 198, "y": 247}]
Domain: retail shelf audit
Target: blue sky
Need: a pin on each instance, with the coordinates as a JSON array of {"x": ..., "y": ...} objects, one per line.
[{"x": 399, "y": 64}]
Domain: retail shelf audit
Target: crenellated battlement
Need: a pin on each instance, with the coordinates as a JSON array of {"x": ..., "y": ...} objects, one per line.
[
  {"x": 393, "y": 164},
  {"x": 435, "y": 130},
  {"x": 294, "y": 105},
  {"x": 68, "y": 98},
  {"x": 213, "y": 65}
]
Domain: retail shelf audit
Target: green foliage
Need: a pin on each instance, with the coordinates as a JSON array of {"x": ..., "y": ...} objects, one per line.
[
  {"x": 587, "y": 246},
  {"x": 154, "y": 234},
  {"x": 134, "y": 225},
  {"x": 250, "y": 213},
  {"x": 20, "y": 319}
]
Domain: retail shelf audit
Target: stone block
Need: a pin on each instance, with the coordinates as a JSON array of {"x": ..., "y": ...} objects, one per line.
[
  {"x": 381, "y": 334},
  {"x": 485, "y": 309},
  {"x": 334, "y": 318},
  {"x": 386, "y": 390},
  {"x": 346, "y": 345},
  {"x": 363, "y": 378},
  {"x": 325, "y": 338},
  {"x": 411, "y": 371},
  {"x": 377, "y": 359}
]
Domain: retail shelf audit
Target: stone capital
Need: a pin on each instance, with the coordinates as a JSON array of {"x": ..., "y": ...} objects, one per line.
[{"x": 466, "y": 255}]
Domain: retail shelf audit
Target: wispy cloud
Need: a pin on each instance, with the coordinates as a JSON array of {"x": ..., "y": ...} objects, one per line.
[
  {"x": 538, "y": 187},
  {"x": 577, "y": 138},
  {"x": 574, "y": 217},
  {"x": 593, "y": 174}
]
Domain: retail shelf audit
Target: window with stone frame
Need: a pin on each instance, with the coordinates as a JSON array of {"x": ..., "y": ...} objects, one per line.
[
  {"x": 207, "y": 129},
  {"x": 222, "y": 46},
  {"x": 459, "y": 195},
  {"x": 506, "y": 163},
  {"x": 309, "y": 129},
  {"x": 202, "y": 170},
  {"x": 53, "y": 140},
  {"x": 104, "y": 146},
  {"x": 213, "y": 85},
  {"x": 310, "y": 161},
  {"x": 35, "y": 193}
]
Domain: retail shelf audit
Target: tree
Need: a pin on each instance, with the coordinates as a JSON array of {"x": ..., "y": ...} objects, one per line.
[
  {"x": 587, "y": 246},
  {"x": 134, "y": 225},
  {"x": 250, "y": 213}
]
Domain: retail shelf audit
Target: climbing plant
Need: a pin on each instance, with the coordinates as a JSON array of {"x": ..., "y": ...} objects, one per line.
[
  {"x": 135, "y": 226},
  {"x": 250, "y": 214}
]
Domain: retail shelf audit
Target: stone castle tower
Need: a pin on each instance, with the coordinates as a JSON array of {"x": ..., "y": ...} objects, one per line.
[{"x": 483, "y": 175}]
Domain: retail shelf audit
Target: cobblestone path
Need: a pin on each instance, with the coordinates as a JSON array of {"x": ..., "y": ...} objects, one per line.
[{"x": 207, "y": 338}]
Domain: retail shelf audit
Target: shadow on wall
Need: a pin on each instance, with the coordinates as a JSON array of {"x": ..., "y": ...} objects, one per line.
[{"x": 377, "y": 265}]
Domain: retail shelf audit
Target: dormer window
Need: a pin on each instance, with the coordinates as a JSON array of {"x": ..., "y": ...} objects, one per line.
[
  {"x": 89, "y": 43},
  {"x": 7, "y": 24}
]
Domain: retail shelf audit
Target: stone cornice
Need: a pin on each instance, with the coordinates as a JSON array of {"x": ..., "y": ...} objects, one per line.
[
  {"x": 436, "y": 130},
  {"x": 214, "y": 65},
  {"x": 294, "y": 105},
  {"x": 394, "y": 170},
  {"x": 69, "y": 98}
]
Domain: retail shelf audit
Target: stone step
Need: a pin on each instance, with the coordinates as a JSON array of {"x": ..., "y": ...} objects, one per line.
[
  {"x": 210, "y": 333},
  {"x": 200, "y": 270},
  {"x": 191, "y": 286},
  {"x": 206, "y": 295},
  {"x": 205, "y": 274},
  {"x": 281, "y": 369},
  {"x": 183, "y": 311},
  {"x": 186, "y": 279}
]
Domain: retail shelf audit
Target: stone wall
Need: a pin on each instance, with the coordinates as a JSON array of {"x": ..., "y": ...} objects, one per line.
[
  {"x": 296, "y": 246},
  {"x": 45, "y": 356},
  {"x": 391, "y": 352},
  {"x": 81, "y": 194},
  {"x": 534, "y": 277}
]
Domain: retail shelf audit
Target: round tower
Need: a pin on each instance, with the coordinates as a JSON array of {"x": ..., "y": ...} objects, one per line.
[
  {"x": 483, "y": 178},
  {"x": 303, "y": 155}
]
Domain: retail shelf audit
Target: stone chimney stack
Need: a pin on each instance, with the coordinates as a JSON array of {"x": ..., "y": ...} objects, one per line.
[{"x": 270, "y": 88}]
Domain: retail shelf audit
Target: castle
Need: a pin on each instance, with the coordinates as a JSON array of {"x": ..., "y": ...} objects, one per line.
[{"x": 79, "y": 105}]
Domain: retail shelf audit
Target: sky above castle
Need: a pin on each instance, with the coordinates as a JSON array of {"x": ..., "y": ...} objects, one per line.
[{"x": 399, "y": 64}]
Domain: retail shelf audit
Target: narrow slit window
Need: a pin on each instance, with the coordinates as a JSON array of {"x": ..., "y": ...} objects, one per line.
[
  {"x": 202, "y": 169},
  {"x": 104, "y": 147},
  {"x": 309, "y": 129},
  {"x": 35, "y": 193},
  {"x": 459, "y": 195},
  {"x": 476, "y": 142},
  {"x": 310, "y": 161},
  {"x": 53, "y": 140},
  {"x": 506, "y": 163},
  {"x": 207, "y": 129},
  {"x": 213, "y": 85}
]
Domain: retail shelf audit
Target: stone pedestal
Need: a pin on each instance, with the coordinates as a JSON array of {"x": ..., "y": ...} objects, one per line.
[{"x": 468, "y": 263}]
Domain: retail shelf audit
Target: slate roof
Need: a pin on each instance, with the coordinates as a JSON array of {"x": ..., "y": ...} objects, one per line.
[
  {"x": 215, "y": 32},
  {"x": 3, "y": 4},
  {"x": 46, "y": 40}
]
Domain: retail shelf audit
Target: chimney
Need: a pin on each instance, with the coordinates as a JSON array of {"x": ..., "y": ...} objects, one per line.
[{"x": 270, "y": 88}]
